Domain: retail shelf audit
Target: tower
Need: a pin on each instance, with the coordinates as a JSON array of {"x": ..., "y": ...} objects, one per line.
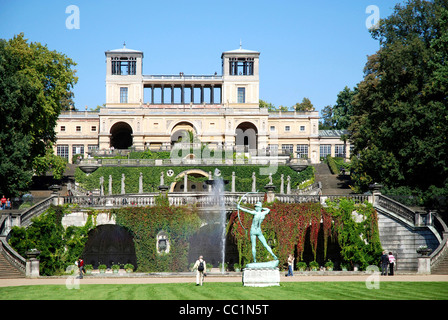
[
  {"x": 124, "y": 77},
  {"x": 240, "y": 78}
]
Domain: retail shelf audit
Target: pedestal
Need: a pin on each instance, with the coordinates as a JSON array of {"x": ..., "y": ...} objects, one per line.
[
  {"x": 261, "y": 277},
  {"x": 424, "y": 265}
]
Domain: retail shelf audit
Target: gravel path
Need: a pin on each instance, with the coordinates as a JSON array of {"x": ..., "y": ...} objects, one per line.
[{"x": 212, "y": 278}]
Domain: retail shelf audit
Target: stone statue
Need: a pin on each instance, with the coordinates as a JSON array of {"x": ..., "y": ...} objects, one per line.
[
  {"x": 101, "y": 186},
  {"x": 122, "y": 184},
  {"x": 110, "y": 184},
  {"x": 259, "y": 214},
  {"x": 140, "y": 183},
  {"x": 254, "y": 182}
]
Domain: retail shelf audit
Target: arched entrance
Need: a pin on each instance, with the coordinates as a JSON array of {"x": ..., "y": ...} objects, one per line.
[
  {"x": 109, "y": 244},
  {"x": 246, "y": 136},
  {"x": 196, "y": 184},
  {"x": 121, "y": 136},
  {"x": 183, "y": 132}
]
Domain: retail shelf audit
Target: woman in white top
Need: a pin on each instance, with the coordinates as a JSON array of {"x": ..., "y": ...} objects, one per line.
[{"x": 391, "y": 264}]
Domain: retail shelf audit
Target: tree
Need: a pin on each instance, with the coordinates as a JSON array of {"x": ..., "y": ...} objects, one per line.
[
  {"x": 343, "y": 109},
  {"x": 35, "y": 86},
  {"x": 401, "y": 108},
  {"x": 305, "y": 105}
]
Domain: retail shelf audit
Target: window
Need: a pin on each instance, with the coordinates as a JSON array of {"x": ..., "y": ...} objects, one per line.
[
  {"x": 287, "y": 128},
  {"x": 123, "y": 95},
  {"x": 92, "y": 147},
  {"x": 302, "y": 128},
  {"x": 272, "y": 128},
  {"x": 124, "y": 66},
  {"x": 78, "y": 149},
  {"x": 62, "y": 151},
  {"x": 241, "y": 95},
  {"x": 339, "y": 150},
  {"x": 325, "y": 150},
  {"x": 302, "y": 151},
  {"x": 287, "y": 148},
  {"x": 273, "y": 149},
  {"x": 78, "y": 128},
  {"x": 241, "y": 66},
  {"x": 62, "y": 128},
  {"x": 93, "y": 128}
]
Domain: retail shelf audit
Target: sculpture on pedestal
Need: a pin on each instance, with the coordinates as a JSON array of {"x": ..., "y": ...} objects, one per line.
[{"x": 259, "y": 214}]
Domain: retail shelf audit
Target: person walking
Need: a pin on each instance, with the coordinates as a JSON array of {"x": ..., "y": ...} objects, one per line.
[
  {"x": 3, "y": 202},
  {"x": 290, "y": 265},
  {"x": 81, "y": 268},
  {"x": 384, "y": 263},
  {"x": 391, "y": 263},
  {"x": 201, "y": 269}
]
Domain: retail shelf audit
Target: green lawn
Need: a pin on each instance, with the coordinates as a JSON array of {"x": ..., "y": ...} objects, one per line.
[{"x": 233, "y": 291}]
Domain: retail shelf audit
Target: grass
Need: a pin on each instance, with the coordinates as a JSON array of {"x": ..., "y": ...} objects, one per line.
[{"x": 232, "y": 291}]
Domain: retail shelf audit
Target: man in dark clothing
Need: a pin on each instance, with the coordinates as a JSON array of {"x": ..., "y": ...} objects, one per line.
[{"x": 384, "y": 263}]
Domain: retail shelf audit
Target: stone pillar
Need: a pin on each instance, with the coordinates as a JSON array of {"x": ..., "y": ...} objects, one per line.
[
  {"x": 140, "y": 183},
  {"x": 162, "y": 95},
  {"x": 288, "y": 186},
  {"x": 185, "y": 183},
  {"x": 282, "y": 190},
  {"x": 182, "y": 94},
  {"x": 152, "y": 94},
  {"x": 110, "y": 185},
  {"x": 212, "y": 94},
  {"x": 202, "y": 93},
  {"x": 254, "y": 182},
  {"x": 424, "y": 265},
  {"x": 172, "y": 94},
  {"x": 233, "y": 181},
  {"x": 192, "y": 94},
  {"x": 32, "y": 264},
  {"x": 123, "y": 188}
]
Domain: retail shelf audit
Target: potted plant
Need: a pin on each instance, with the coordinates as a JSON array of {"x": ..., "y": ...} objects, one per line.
[
  {"x": 344, "y": 267},
  {"x": 102, "y": 268},
  {"x": 115, "y": 268},
  {"x": 329, "y": 265},
  {"x": 314, "y": 266},
  {"x": 424, "y": 250},
  {"x": 220, "y": 266},
  {"x": 129, "y": 267},
  {"x": 301, "y": 266},
  {"x": 237, "y": 267},
  {"x": 88, "y": 268}
]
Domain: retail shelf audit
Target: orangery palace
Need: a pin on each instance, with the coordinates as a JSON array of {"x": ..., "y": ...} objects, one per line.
[{"x": 148, "y": 111}]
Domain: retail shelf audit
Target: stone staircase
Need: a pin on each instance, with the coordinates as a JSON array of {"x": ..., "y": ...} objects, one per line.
[
  {"x": 7, "y": 271},
  {"x": 403, "y": 241},
  {"x": 332, "y": 184},
  {"x": 442, "y": 267}
]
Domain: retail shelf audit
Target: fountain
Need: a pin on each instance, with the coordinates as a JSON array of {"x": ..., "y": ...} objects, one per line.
[{"x": 218, "y": 196}]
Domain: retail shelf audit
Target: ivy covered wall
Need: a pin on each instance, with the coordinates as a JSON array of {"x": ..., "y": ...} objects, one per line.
[{"x": 151, "y": 177}]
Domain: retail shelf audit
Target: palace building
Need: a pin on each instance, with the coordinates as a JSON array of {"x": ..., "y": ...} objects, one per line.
[{"x": 152, "y": 111}]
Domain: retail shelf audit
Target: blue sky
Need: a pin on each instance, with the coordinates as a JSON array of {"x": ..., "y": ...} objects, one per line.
[{"x": 308, "y": 48}]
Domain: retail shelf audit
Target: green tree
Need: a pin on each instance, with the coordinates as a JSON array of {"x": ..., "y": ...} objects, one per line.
[
  {"x": 401, "y": 108},
  {"x": 35, "y": 86},
  {"x": 305, "y": 105}
]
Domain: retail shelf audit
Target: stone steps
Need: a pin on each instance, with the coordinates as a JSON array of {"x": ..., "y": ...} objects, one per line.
[
  {"x": 442, "y": 267},
  {"x": 7, "y": 271},
  {"x": 403, "y": 241}
]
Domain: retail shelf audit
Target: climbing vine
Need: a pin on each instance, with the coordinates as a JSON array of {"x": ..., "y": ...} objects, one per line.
[
  {"x": 286, "y": 226},
  {"x": 144, "y": 223}
]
